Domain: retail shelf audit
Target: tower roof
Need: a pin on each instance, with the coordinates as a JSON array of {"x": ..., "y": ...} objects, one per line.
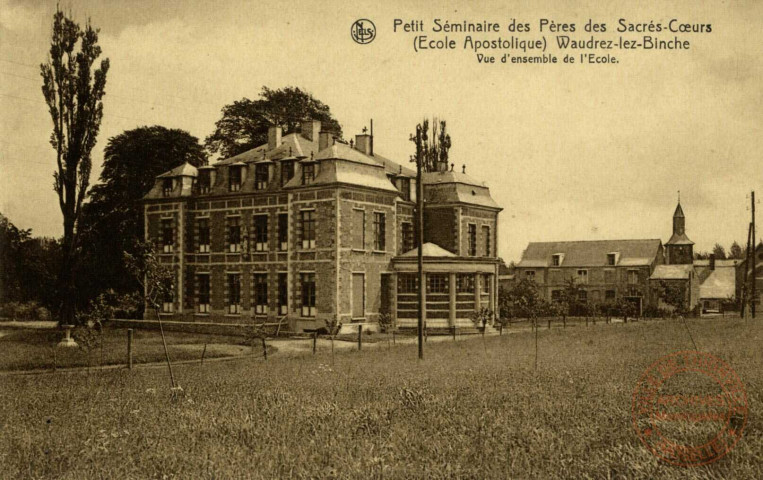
[{"x": 679, "y": 211}]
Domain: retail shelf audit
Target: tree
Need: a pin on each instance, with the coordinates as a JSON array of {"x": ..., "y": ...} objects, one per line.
[
  {"x": 719, "y": 252},
  {"x": 736, "y": 252},
  {"x": 112, "y": 221},
  {"x": 434, "y": 148},
  {"x": 73, "y": 91},
  {"x": 244, "y": 124}
]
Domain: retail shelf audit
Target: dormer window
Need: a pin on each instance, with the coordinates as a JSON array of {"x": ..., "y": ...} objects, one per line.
[
  {"x": 404, "y": 185},
  {"x": 287, "y": 171},
  {"x": 205, "y": 181},
  {"x": 611, "y": 259},
  {"x": 308, "y": 173},
  {"x": 261, "y": 176},
  {"x": 234, "y": 178},
  {"x": 167, "y": 187},
  {"x": 556, "y": 259}
]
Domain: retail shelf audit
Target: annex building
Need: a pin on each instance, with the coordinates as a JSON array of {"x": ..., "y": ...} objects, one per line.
[
  {"x": 308, "y": 228},
  {"x": 639, "y": 271}
]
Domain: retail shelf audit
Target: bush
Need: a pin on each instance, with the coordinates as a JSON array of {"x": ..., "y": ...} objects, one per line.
[{"x": 24, "y": 311}]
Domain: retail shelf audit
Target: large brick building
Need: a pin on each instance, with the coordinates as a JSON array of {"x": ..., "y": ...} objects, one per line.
[{"x": 308, "y": 228}]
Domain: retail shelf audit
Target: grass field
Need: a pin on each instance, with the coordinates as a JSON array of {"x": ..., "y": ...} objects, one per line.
[
  {"x": 473, "y": 409},
  {"x": 25, "y": 349}
]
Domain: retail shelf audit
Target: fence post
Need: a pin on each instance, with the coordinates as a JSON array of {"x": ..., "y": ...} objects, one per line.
[
  {"x": 315, "y": 341},
  {"x": 360, "y": 337},
  {"x": 564, "y": 321},
  {"x": 549, "y": 324},
  {"x": 500, "y": 329},
  {"x": 453, "y": 332},
  {"x": 264, "y": 348},
  {"x": 129, "y": 348},
  {"x": 394, "y": 333}
]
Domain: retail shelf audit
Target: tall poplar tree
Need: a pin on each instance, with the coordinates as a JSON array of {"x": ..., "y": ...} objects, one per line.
[{"x": 73, "y": 91}]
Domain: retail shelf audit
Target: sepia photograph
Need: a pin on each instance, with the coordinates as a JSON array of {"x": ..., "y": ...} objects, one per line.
[{"x": 369, "y": 240}]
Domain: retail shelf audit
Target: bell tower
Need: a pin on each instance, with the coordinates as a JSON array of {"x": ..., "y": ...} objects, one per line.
[{"x": 679, "y": 249}]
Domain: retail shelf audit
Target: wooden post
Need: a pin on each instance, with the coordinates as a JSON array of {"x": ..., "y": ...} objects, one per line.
[
  {"x": 129, "y": 348},
  {"x": 315, "y": 341},
  {"x": 360, "y": 337},
  {"x": 394, "y": 333},
  {"x": 264, "y": 348},
  {"x": 549, "y": 323},
  {"x": 453, "y": 332},
  {"x": 500, "y": 329},
  {"x": 564, "y": 321},
  {"x": 203, "y": 353}
]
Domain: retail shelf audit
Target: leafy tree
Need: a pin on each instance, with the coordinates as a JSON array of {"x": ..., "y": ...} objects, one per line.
[
  {"x": 719, "y": 252},
  {"x": 73, "y": 91},
  {"x": 736, "y": 252},
  {"x": 701, "y": 255},
  {"x": 113, "y": 218},
  {"x": 244, "y": 124},
  {"x": 431, "y": 148}
]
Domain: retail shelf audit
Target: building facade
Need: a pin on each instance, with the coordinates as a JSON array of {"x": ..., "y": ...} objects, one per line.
[{"x": 308, "y": 229}]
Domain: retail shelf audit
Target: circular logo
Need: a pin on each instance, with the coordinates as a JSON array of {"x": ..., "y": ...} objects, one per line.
[
  {"x": 689, "y": 408},
  {"x": 363, "y": 31}
]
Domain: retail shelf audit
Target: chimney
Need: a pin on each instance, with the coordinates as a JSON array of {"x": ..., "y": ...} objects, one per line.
[
  {"x": 363, "y": 143},
  {"x": 325, "y": 140},
  {"x": 311, "y": 129},
  {"x": 712, "y": 261},
  {"x": 274, "y": 137}
]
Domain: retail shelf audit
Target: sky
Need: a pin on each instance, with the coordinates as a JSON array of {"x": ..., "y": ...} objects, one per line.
[{"x": 571, "y": 152}]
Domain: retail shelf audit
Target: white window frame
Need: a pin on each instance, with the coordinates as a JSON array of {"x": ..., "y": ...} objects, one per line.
[
  {"x": 168, "y": 307},
  {"x": 582, "y": 276}
]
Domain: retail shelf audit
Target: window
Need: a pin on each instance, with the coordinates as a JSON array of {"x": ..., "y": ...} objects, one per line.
[
  {"x": 358, "y": 229},
  {"x": 202, "y": 300},
  {"x": 583, "y": 276},
  {"x": 168, "y": 236},
  {"x": 234, "y": 293},
  {"x": 307, "y": 221},
  {"x": 283, "y": 293},
  {"x": 407, "y": 242},
  {"x": 308, "y": 294},
  {"x": 407, "y": 283},
  {"x": 486, "y": 278},
  {"x": 609, "y": 276},
  {"x": 556, "y": 295},
  {"x": 465, "y": 283},
  {"x": 234, "y": 234},
  {"x": 437, "y": 283},
  {"x": 611, "y": 258},
  {"x": 530, "y": 274},
  {"x": 261, "y": 173},
  {"x": 287, "y": 171},
  {"x": 205, "y": 181},
  {"x": 260, "y": 293},
  {"x": 632, "y": 277},
  {"x": 472, "y": 240},
  {"x": 609, "y": 295},
  {"x": 203, "y": 227},
  {"x": 260, "y": 233},
  {"x": 308, "y": 173},
  {"x": 283, "y": 231},
  {"x": 404, "y": 185},
  {"x": 234, "y": 178},
  {"x": 167, "y": 187},
  {"x": 379, "y": 231},
  {"x": 582, "y": 296},
  {"x": 486, "y": 238},
  {"x": 168, "y": 300},
  {"x": 556, "y": 260}
]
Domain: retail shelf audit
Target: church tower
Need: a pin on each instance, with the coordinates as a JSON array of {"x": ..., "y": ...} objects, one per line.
[{"x": 679, "y": 249}]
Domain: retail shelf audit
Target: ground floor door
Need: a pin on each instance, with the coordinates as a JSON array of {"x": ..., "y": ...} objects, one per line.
[{"x": 358, "y": 296}]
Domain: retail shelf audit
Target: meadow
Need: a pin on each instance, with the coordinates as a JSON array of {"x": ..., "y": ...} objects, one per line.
[{"x": 474, "y": 408}]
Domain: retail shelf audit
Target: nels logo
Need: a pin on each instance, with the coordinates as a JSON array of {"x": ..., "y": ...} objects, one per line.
[{"x": 363, "y": 31}]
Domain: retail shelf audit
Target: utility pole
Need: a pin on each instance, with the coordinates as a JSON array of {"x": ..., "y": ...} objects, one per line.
[
  {"x": 419, "y": 141},
  {"x": 752, "y": 257},
  {"x": 745, "y": 295}
]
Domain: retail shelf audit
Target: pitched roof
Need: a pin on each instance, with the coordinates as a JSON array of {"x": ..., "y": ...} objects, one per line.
[
  {"x": 431, "y": 178},
  {"x": 292, "y": 144},
  {"x": 349, "y": 172},
  {"x": 429, "y": 250},
  {"x": 456, "y": 187},
  {"x": 592, "y": 253},
  {"x": 184, "y": 170},
  {"x": 672, "y": 272},
  {"x": 721, "y": 283}
]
